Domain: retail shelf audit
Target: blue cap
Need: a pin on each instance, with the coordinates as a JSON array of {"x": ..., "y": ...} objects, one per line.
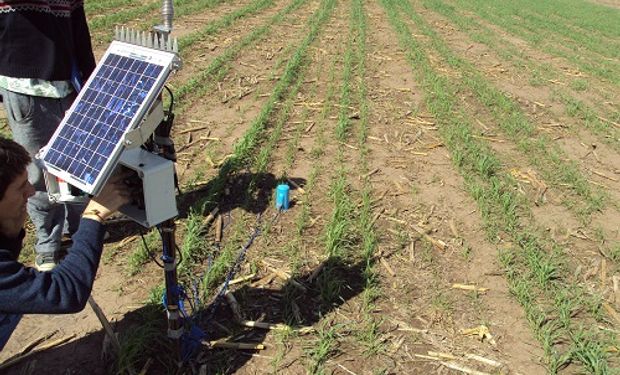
[{"x": 282, "y": 200}]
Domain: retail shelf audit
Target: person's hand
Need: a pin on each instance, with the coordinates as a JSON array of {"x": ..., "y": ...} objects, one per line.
[{"x": 113, "y": 195}]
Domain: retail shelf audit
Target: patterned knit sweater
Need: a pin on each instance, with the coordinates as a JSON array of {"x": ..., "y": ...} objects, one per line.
[{"x": 43, "y": 39}]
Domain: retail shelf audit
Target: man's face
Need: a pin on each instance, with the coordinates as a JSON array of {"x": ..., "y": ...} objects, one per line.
[{"x": 13, "y": 203}]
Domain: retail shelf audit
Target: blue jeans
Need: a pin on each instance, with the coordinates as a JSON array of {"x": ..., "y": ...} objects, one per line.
[
  {"x": 8, "y": 323},
  {"x": 33, "y": 120}
]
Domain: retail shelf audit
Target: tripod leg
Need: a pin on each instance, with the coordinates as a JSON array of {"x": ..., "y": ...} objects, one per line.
[{"x": 105, "y": 323}]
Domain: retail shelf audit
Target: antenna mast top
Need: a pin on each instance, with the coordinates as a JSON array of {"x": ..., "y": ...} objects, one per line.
[{"x": 167, "y": 11}]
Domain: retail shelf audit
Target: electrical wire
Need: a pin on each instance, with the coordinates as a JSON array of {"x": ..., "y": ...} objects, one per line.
[
  {"x": 171, "y": 106},
  {"x": 148, "y": 251},
  {"x": 177, "y": 249},
  {"x": 180, "y": 254},
  {"x": 210, "y": 310}
]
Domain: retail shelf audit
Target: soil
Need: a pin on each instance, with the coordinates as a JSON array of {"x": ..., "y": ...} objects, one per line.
[
  {"x": 609, "y": 3},
  {"x": 413, "y": 181}
]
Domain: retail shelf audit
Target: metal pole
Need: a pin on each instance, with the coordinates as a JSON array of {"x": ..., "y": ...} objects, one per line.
[
  {"x": 175, "y": 329},
  {"x": 167, "y": 12}
]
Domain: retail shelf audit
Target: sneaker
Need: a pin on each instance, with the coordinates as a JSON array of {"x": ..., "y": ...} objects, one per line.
[
  {"x": 66, "y": 241},
  {"x": 45, "y": 262}
]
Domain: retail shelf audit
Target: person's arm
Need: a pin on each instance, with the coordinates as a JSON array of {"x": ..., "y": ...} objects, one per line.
[{"x": 66, "y": 288}]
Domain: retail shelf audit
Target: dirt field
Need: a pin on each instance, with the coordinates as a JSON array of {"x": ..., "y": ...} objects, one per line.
[
  {"x": 456, "y": 201},
  {"x": 611, "y": 3}
]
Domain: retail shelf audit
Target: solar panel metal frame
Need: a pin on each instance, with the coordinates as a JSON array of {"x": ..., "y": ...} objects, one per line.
[{"x": 151, "y": 56}]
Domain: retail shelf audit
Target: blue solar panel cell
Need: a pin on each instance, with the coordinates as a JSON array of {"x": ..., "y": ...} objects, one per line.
[{"x": 108, "y": 106}]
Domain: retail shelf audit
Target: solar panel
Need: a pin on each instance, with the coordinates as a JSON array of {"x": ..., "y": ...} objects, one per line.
[{"x": 89, "y": 140}]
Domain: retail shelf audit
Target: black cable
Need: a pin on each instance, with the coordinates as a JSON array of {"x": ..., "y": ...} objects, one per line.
[
  {"x": 180, "y": 254},
  {"x": 148, "y": 251},
  {"x": 171, "y": 106},
  {"x": 164, "y": 130}
]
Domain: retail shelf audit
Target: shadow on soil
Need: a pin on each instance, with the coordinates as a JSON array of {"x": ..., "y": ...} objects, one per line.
[
  {"x": 301, "y": 302},
  {"x": 233, "y": 196}
]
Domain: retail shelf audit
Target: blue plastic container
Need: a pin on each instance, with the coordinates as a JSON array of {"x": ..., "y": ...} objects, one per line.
[{"x": 282, "y": 201}]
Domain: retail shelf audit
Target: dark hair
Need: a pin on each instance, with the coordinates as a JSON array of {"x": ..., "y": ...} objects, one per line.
[{"x": 13, "y": 161}]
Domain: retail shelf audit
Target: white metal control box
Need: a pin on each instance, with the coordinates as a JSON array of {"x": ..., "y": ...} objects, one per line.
[{"x": 157, "y": 176}]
